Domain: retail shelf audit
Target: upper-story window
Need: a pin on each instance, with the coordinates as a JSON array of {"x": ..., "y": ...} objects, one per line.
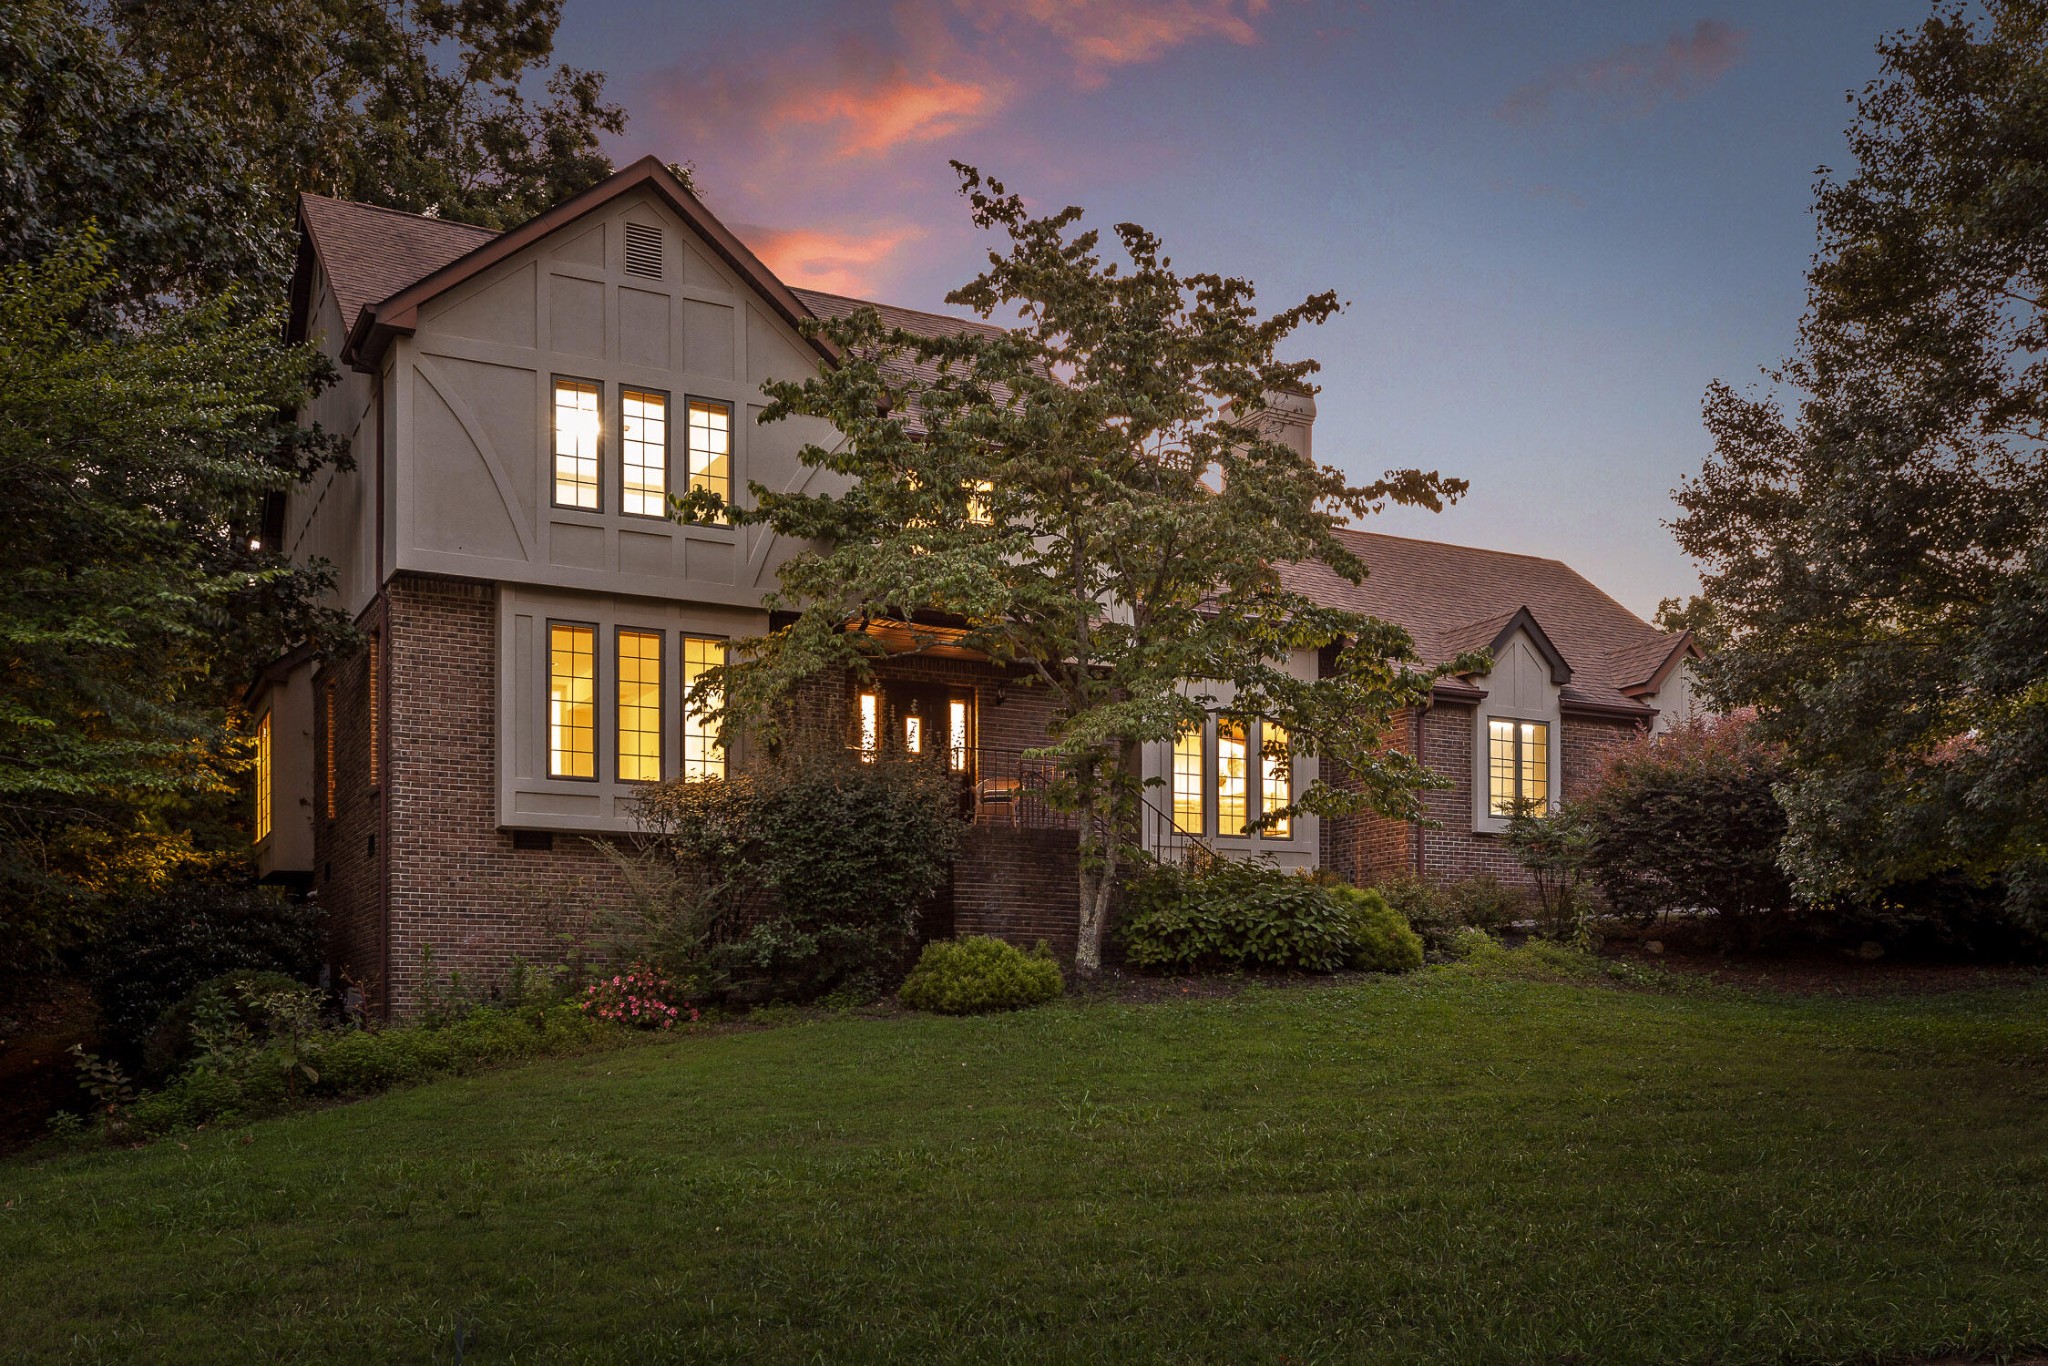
[
  {"x": 577, "y": 424},
  {"x": 711, "y": 447},
  {"x": 643, "y": 444},
  {"x": 263, "y": 779},
  {"x": 1517, "y": 766}
]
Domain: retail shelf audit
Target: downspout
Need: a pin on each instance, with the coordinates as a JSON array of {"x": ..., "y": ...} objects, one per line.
[
  {"x": 1419, "y": 759},
  {"x": 382, "y": 723}
]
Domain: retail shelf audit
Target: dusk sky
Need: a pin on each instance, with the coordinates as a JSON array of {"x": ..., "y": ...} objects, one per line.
[{"x": 1553, "y": 223}]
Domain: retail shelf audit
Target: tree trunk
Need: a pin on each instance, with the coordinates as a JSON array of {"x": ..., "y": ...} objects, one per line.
[{"x": 1098, "y": 885}]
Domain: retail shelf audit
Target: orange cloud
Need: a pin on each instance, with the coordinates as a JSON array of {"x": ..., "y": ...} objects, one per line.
[
  {"x": 1636, "y": 77},
  {"x": 836, "y": 262},
  {"x": 873, "y": 117},
  {"x": 1103, "y": 35}
]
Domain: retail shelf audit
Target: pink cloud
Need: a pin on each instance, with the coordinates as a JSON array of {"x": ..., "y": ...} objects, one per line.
[
  {"x": 836, "y": 262},
  {"x": 1101, "y": 36},
  {"x": 1636, "y": 77}
]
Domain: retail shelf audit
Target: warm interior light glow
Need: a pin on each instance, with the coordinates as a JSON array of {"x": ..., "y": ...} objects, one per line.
[
  {"x": 1187, "y": 780},
  {"x": 913, "y": 734},
  {"x": 956, "y": 730},
  {"x": 572, "y": 702},
  {"x": 1276, "y": 779},
  {"x": 263, "y": 779},
  {"x": 643, "y": 443},
  {"x": 1232, "y": 776},
  {"x": 870, "y": 725},
  {"x": 703, "y": 755},
  {"x": 576, "y": 433},
  {"x": 639, "y": 704}
]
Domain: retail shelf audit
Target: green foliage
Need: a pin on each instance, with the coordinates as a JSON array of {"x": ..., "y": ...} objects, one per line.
[
  {"x": 88, "y": 138},
  {"x": 132, "y": 604},
  {"x": 289, "y": 1059},
  {"x": 1444, "y": 914},
  {"x": 159, "y": 946},
  {"x": 1878, "y": 555},
  {"x": 1114, "y": 447},
  {"x": 1238, "y": 914},
  {"x": 214, "y": 1018},
  {"x": 1689, "y": 820},
  {"x": 977, "y": 974},
  {"x": 801, "y": 877},
  {"x": 1554, "y": 847}
]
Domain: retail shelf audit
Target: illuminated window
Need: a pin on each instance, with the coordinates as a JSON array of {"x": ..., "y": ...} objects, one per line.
[
  {"x": 576, "y": 432},
  {"x": 374, "y": 685},
  {"x": 703, "y": 756},
  {"x": 1517, "y": 766},
  {"x": 639, "y": 706},
  {"x": 572, "y": 701},
  {"x": 1187, "y": 780},
  {"x": 643, "y": 437},
  {"x": 263, "y": 779},
  {"x": 327, "y": 755},
  {"x": 711, "y": 447},
  {"x": 870, "y": 726},
  {"x": 913, "y": 734},
  {"x": 978, "y": 511},
  {"x": 1233, "y": 775},
  {"x": 956, "y": 732},
  {"x": 1276, "y": 778}
]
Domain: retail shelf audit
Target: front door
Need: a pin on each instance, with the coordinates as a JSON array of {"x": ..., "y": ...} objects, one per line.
[{"x": 930, "y": 720}]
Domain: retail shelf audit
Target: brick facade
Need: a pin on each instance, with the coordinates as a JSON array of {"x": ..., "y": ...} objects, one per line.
[{"x": 1365, "y": 848}]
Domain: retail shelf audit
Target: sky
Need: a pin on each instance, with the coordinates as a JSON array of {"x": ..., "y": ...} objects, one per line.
[{"x": 1553, "y": 224}]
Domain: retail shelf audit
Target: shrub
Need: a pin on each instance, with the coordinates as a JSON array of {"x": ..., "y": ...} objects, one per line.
[
  {"x": 1234, "y": 914},
  {"x": 801, "y": 879},
  {"x": 228, "y": 1002},
  {"x": 1382, "y": 939},
  {"x": 1554, "y": 847},
  {"x": 1689, "y": 819},
  {"x": 976, "y": 974},
  {"x": 1484, "y": 902},
  {"x": 638, "y": 999},
  {"x": 160, "y": 946}
]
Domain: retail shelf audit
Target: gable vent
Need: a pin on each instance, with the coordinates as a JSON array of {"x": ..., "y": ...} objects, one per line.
[{"x": 643, "y": 250}]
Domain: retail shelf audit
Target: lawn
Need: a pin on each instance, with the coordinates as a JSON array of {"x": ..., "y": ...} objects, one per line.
[{"x": 1449, "y": 1167}]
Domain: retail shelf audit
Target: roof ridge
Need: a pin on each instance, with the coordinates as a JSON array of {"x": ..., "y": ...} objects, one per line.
[
  {"x": 900, "y": 308},
  {"x": 1456, "y": 545},
  {"x": 403, "y": 213}
]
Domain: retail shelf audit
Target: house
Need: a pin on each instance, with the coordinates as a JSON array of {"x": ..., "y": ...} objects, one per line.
[{"x": 521, "y": 404}]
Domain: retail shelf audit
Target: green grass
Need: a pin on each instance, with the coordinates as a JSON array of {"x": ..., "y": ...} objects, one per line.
[{"x": 1458, "y": 1166}]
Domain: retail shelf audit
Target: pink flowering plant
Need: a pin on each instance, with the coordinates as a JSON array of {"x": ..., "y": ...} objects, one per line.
[{"x": 639, "y": 999}]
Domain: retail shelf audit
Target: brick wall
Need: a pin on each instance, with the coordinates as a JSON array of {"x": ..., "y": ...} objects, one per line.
[
  {"x": 1588, "y": 743},
  {"x": 1019, "y": 885},
  {"x": 1363, "y": 847}
]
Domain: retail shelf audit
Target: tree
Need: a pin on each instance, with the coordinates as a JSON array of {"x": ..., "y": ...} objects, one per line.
[
  {"x": 1879, "y": 555},
  {"x": 1689, "y": 820},
  {"x": 131, "y": 595},
  {"x": 87, "y": 138},
  {"x": 1090, "y": 497},
  {"x": 412, "y": 104}
]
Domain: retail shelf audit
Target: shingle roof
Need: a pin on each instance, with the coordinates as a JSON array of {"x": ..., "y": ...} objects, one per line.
[
  {"x": 371, "y": 253},
  {"x": 911, "y": 320},
  {"x": 1452, "y": 598}
]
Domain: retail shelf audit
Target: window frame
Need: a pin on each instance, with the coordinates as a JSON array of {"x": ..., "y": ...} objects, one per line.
[
  {"x": 684, "y": 721},
  {"x": 596, "y": 774},
  {"x": 1285, "y": 829},
  {"x": 619, "y": 633},
  {"x": 1246, "y": 814},
  {"x": 555, "y": 383},
  {"x": 732, "y": 452},
  {"x": 1193, "y": 739},
  {"x": 668, "y": 443},
  {"x": 1519, "y": 765},
  {"x": 265, "y": 816}
]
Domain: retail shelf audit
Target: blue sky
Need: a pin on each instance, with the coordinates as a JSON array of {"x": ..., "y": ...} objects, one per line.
[{"x": 1553, "y": 223}]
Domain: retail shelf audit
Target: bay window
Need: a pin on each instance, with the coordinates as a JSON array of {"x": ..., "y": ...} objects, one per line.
[{"x": 572, "y": 701}]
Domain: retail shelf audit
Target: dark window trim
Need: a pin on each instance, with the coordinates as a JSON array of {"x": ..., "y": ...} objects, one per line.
[
  {"x": 1517, "y": 722},
  {"x": 683, "y": 698},
  {"x": 596, "y": 701},
  {"x": 668, "y": 449},
  {"x": 660, "y": 635},
  {"x": 554, "y": 485},
  {"x": 732, "y": 452}
]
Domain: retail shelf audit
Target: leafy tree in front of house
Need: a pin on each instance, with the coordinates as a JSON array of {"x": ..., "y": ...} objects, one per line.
[
  {"x": 1878, "y": 554},
  {"x": 131, "y": 598},
  {"x": 1091, "y": 497},
  {"x": 419, "y": 105}
]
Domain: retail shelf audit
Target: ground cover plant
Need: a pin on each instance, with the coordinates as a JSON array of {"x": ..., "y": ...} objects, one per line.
[
  {"x": 980, "y": 973},
  {"x": 1513, "y": 1159},
  {"x": 1231, "y": 914}
]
